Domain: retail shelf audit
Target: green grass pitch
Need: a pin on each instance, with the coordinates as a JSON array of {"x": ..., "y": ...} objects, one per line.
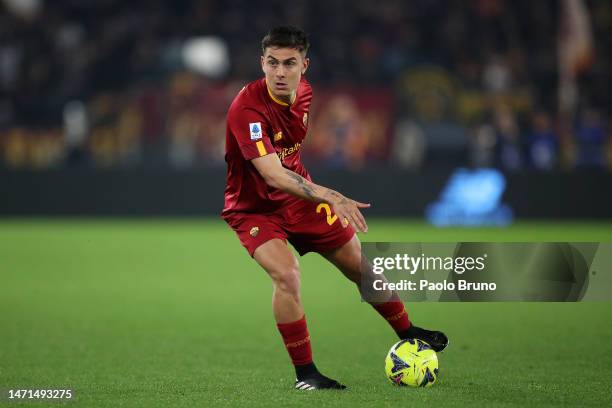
[{"x": 174, "y": 313}]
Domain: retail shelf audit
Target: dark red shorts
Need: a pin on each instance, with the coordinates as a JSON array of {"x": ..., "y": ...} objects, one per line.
[{"x": 309, "y": 227}]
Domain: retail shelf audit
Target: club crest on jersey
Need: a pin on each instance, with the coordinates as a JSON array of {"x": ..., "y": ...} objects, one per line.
[
  {"x": 254, "y": 231},
  {"x": 255, "y": 129},
  {"x": 305, "y": 119}
]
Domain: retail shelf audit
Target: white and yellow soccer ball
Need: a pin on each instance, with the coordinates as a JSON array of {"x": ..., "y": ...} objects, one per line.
[{"x": 412, "y": 362}]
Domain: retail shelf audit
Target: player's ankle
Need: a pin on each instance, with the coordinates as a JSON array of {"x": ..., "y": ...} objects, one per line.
[
  {"x": 411, "y": 332},
  {"x": 305, "y": 371}
]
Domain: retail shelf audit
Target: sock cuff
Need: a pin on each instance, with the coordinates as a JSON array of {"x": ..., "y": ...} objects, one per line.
[
  {"x": 293, "y": 328},
  {"x": 390, "y": 308}
]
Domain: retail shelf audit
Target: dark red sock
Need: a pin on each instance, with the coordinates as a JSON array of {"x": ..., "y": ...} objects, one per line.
[
  {"x": 394, "y": 312},
  {"x": 297, "y": 341}
]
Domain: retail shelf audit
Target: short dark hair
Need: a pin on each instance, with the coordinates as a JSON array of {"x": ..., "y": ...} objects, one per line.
[{"x": 286, "y": 37}]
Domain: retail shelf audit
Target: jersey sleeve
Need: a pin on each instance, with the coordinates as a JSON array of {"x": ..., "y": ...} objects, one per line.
[{"x": 250, "y": 128}]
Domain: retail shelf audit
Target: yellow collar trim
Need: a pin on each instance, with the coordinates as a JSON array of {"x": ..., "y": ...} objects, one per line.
[{"x": 275, "y": 99}]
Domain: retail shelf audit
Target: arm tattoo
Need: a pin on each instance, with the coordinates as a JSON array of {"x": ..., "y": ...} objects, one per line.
[
  {"x": 339, "y": 196},
  {"x": 302, "y": 183}
]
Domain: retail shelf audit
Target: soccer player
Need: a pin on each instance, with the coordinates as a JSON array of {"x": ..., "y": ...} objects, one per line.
[{"x": 270, "y": 199}]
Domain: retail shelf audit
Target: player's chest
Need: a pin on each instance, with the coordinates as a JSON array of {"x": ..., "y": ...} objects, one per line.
[{"x": 289, "y": 127}]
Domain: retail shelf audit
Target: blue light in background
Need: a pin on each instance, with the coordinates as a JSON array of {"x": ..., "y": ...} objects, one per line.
[{"x": 472, "y": 198}]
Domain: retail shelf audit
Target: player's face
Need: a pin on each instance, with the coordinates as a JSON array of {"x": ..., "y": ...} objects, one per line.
[{"x": 284, "y": 68}]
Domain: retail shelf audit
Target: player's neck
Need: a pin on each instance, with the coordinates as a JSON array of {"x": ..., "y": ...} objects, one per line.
[
  {"x": 287, "y": 99},
  {"x": 284, "y": 100}
]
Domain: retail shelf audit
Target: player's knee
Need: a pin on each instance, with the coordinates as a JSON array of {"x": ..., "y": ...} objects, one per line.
[
  {"x": 288, "y": 280},
  {"x": 354, "y": 267}
]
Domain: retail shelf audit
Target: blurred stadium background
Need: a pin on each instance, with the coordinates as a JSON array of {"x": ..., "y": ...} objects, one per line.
[
  {"x": 447, "y": 112},
  {"x": 111, "y": 107}
]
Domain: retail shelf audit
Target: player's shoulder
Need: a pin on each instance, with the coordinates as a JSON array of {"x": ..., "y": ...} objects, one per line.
[
  {"x": 304, "y": 89},
  {"x": 250, "y": 97}
]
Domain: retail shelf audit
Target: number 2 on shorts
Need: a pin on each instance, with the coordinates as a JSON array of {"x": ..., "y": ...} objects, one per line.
[{"x": 330, "y": 218}]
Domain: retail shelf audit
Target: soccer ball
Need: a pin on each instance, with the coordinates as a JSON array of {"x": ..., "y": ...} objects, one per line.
[{"x": 412, "y": 362}]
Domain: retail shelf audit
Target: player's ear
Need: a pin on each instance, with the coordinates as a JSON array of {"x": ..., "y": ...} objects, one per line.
[
  {"x": 305, "y": 65},
  {"x": 262, "y": 63}
]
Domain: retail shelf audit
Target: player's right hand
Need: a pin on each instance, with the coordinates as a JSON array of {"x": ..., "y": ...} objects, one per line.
[{"x": 348, "y": 212}]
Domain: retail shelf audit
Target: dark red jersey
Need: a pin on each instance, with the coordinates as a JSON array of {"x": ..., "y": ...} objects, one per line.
[{"x": 259, "y": 124}]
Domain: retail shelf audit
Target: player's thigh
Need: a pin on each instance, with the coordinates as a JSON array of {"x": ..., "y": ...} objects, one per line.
[
  {"x": 275, "y": 257},
  {"x": 254, "y": 230}
]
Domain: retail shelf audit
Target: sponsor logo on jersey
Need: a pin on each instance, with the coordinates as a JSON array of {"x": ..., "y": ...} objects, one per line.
[
  {"x": 287, "y": 151},
  {"x": 255, "y": 129},
  {"x": 278, "y": 136}
]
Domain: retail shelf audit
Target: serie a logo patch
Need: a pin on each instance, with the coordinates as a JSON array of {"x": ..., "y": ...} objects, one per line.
[{"x": 255, "y": 129}]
